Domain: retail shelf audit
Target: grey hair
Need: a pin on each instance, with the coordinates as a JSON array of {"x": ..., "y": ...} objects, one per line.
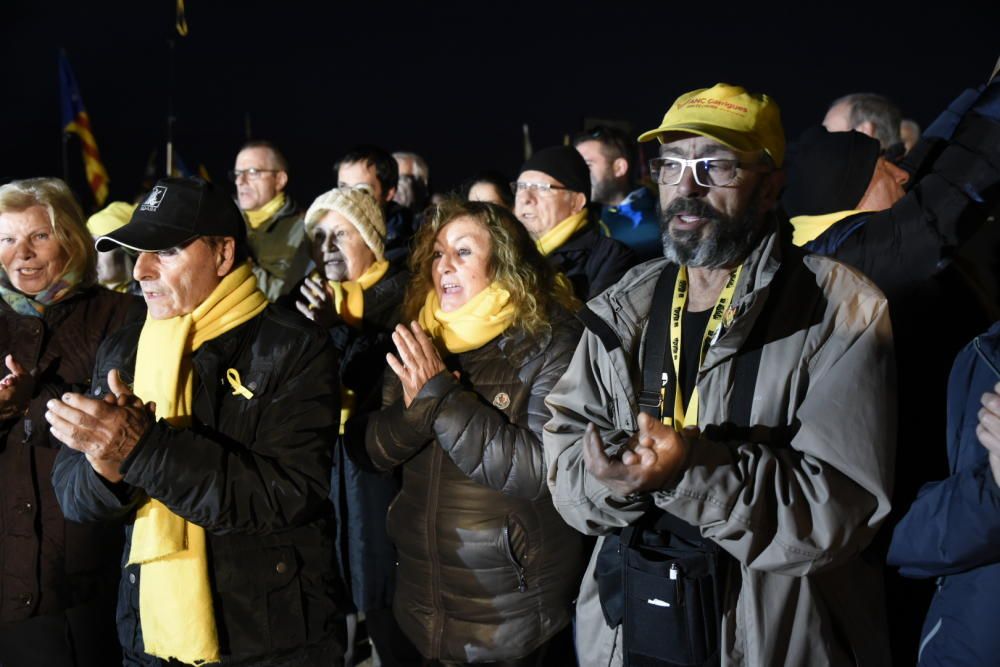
[{"x": 877, "y": 110}]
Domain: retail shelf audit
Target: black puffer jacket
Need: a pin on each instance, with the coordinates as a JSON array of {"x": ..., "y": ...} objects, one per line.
[
  {"x": 592, "y": 262},
  {"x": 255, "y": 473},
  {"x": 487, "y": 568},
  {"x": 54, "y": 574}
]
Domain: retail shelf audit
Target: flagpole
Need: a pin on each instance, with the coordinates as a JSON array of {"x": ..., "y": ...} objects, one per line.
[
  {"x": 170, "y": 108},
  {"x": 65, "y": 157}
]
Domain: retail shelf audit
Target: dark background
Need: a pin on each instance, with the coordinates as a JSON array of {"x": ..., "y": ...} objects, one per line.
[{"x": 451, "y": 81}]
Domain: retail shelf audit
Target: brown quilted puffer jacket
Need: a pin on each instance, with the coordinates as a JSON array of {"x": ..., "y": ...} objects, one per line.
[{"x": 487, "y": 569}]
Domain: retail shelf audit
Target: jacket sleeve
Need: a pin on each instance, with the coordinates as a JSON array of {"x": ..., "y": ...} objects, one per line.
[
  {"x": 954, "y": 524},
  {"x": 589, "y": 391},
  {"x": 279, "y": 480},
  {"x": 954, "y": 182},
  {"x": 486, "y": 445},
  {"x": 818, "y": 501},
  {"x": 83, "y": 495},
  {"x": 395, "y": 434}
]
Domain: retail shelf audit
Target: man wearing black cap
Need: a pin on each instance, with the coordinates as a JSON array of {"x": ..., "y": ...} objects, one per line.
[
  {"x": 551, "y": 198},
  {"x": 208, "y": 428}
]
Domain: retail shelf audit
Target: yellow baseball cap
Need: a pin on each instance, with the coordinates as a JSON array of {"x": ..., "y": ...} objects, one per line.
[
  {"x": 111, "y": 217},
  {"x": 730, "y": 115}
]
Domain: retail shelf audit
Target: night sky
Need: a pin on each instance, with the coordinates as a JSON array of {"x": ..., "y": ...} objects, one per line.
[{"x": 451, "y": 81}]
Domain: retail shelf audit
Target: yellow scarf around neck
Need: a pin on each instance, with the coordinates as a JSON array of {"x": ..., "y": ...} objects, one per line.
[
  {"x": 558, "y": 235},
  {"x": 478, "y": 321},
  {"x": 348, "y": 295},
  {"x": 175, "y": 598},
  {"x": 349, "y": 304},
  {"x": 266, "y": 212},
  {"x": 805, "y": 228}
]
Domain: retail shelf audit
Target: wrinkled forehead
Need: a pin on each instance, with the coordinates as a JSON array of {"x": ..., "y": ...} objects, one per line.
[
  {"x": 687, "y": 145},
  {"x": 532, "y": 176},
  {"x": 257, "y": 157}
]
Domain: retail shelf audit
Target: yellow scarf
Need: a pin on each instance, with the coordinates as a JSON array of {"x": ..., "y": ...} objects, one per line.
[
  {"x": 266, "y": 212},
  {"x": 808, "y": 227},
  {"x": 175, "y": 599},
  {"x": 349, "y": 303},
  {"x": 481, "y": 319},
  {"x": 348, "y": 296},
  {"x": 555, "y": 237}
]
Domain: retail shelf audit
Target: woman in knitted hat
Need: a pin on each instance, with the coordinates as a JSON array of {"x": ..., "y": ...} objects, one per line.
[
  {"x": 487, "y": 569},
  {"x": 355, "y": 294}
]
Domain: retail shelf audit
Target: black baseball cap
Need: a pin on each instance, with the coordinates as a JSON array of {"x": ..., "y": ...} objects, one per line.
[{"x": 175, "y": 211}]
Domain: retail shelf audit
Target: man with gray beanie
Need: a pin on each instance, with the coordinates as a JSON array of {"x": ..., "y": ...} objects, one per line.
[{"x": 552, "y": 194}]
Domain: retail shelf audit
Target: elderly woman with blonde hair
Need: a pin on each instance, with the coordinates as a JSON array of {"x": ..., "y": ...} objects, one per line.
[
  {"x": 355, "y": 293},
  {"x": 487, "y": 569},
  {"x": 57, "y": 578}
]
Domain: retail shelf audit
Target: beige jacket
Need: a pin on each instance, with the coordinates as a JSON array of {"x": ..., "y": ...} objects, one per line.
[{"x": 795, "y": 514}]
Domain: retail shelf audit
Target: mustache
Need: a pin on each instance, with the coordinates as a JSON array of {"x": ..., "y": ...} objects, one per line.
[{"x": 691, "y": 206}]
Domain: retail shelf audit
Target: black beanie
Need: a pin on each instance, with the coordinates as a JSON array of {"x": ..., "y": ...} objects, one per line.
[
  {"x": 828, "y": 171},
  {"x": 564, "y": 164}
]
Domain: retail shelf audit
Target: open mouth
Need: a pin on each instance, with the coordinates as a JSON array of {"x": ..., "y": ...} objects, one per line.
[{"x": 450, "y": 288}]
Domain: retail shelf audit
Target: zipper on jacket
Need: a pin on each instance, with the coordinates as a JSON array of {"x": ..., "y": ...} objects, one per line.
[
  {"x": 522, "y": 583},
  {"x": 982, "y": 355},
  {"x": 433, "y": 492}
]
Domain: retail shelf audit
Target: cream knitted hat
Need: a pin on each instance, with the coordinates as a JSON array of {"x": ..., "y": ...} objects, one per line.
[{"x": 359, "y": 207}]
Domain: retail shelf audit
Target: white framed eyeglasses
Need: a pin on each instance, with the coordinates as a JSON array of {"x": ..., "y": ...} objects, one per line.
[{"x": 709, "y": 172}]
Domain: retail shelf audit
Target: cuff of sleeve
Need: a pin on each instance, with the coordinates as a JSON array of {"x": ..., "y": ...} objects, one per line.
[{"x": 136, "y": 452}]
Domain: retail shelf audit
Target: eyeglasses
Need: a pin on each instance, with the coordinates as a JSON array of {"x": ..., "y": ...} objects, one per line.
[
  {"x": 709, "y": 172},
  {"x": 252, "y": 173},
  {"x": 534, "y": 188}
]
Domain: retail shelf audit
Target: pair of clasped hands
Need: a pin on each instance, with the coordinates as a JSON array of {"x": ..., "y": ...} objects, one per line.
[{"x": 105, "y": 430}]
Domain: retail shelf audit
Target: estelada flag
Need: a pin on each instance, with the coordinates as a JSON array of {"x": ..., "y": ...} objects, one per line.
[{"x": 76, "y": 121}]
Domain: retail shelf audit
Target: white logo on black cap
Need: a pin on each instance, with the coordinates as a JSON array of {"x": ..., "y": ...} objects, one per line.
[{"x": 154, "y": 199}]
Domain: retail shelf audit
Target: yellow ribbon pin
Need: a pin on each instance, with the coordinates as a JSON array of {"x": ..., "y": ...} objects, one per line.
[{"x": 234, "y": 381}]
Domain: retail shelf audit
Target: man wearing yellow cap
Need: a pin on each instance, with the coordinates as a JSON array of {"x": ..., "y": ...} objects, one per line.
[
  {"x": 114, "y": 267},
  {"x": 726, "y": 423},
  {"x": 209, "y": 430}
]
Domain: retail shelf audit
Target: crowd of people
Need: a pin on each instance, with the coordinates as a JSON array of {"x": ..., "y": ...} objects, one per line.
[{"x": 696, "y": 412}]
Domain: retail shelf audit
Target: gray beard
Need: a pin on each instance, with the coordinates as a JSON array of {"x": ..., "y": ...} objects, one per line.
[{"x": 722, "y": 242}]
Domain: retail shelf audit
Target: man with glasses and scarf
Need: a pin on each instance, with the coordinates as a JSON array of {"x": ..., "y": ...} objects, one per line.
[
  {"x": 275, "y": 231},
  {"x": 726, "y": 424},
  {"x": 551, "y": 198}
]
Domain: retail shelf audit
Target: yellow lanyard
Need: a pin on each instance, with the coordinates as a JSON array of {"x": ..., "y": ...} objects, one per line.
[{"x": 689, "y": 415}]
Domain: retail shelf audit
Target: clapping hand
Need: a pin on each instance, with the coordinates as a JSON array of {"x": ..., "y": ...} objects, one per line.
[
  {"x": 988, "y": 429},
  {"x": 15, "y": 390},
  {"x": 418, "y": 360},
  {"x": 105, "y": 430},
  {"x": 318, "y": 304},
  {"x": 652, "y": 459}
]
